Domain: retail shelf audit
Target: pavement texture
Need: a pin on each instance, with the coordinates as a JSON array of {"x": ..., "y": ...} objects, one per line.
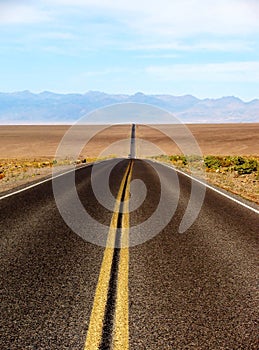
[{"x": 196, "y": 290}]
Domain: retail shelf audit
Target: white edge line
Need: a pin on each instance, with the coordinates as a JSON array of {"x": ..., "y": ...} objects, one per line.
[
  {"x": 208, "y": 186},
  {"x": 166, "y": 165},
  {"x": 48, "y": 179}
]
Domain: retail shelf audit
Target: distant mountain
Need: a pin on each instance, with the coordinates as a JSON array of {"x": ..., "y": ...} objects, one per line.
[{"x": 47, "y": 107}]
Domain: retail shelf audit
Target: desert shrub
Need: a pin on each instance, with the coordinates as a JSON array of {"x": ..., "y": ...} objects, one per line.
[
  {"x": 184, "y": 160},
  {"x": 36, "y": 164},
  {"x": 239, "y": 160},
  {"x": 212, "y": 162},
  {"x": 227, "y": 161},
  {"x": 174, "y": 158},
  {"x": 178, "y": 159},
  {"x": 240, "y": 164},
  {"x": 44, "y": 164},
  {"x": 247, "y": 167}
]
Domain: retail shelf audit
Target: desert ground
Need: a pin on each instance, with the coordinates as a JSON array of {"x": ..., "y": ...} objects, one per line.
[
  {"x": 213, "y": 139},
  {"x": 28, "y": 152},
  {"x": 41, "y": 141}
]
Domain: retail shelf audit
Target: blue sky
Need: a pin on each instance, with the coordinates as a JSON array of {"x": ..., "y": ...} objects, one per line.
[{"x": 199, "y": 47}]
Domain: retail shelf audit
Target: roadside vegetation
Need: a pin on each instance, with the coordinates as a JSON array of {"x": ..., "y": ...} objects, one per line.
[
  {"x": 237, "y": 174},
  {"x": 16, "y": 172}
]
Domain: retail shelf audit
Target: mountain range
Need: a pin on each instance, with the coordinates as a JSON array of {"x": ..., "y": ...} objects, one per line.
[{"x": 47, "y": 107}]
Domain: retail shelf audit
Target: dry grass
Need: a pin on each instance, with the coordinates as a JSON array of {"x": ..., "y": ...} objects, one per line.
[
  {"x": 246, "y": 186},
  {"x": 17, "y": 172},
  {"x": 227, "y": 176},
  {"x": 27, "y": 152}
]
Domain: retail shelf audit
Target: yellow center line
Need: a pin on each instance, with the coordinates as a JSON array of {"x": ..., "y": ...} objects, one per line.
[
  {"x": 95, "y": 328},
  {"x": 121, "y": 324}
]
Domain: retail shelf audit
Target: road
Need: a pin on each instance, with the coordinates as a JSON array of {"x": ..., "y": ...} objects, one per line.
[
  {"x": 195, "y": 290},
  {"x": 133, "y": 142}
]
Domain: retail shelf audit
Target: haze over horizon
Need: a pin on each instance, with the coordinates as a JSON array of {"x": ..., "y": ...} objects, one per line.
[
  {"x": 119, "y": 93},
  {"x": 167, "y": 47},
  {"x": 47, "y": 107}
]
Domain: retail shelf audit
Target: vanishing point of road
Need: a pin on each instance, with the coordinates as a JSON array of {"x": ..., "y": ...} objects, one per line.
[{"x": 196, "y": 290}]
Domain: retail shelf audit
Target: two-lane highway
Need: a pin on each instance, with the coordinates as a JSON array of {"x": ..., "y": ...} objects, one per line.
[{"x": 196, "y": 290}]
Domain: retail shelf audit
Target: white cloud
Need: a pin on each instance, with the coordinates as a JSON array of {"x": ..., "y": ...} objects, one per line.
[
  {"x": 230, "y": 25},
  {"x": 21, "y": 13},
  {"x": 213, "y": 45},
  {"x": 179, "y": 18},
  {"x": 213, "y": 72}
]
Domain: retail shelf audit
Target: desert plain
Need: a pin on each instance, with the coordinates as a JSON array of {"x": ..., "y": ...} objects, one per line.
[
  {"x": 27, "y": 152},
  {"x": 41, "y": 141}
]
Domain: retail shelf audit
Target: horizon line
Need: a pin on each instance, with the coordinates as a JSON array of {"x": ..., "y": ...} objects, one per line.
[{"x": 245, "y": 100}]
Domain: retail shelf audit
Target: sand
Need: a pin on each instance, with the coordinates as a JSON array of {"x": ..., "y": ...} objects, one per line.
[{"x": 42, "y": 141}]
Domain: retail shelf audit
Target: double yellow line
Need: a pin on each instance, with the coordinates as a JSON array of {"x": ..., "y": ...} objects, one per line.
[{"x": 120, "y": 333}]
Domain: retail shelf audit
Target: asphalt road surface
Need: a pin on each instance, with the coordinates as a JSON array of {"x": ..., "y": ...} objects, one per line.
[{"x": 195, "y": 290}]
